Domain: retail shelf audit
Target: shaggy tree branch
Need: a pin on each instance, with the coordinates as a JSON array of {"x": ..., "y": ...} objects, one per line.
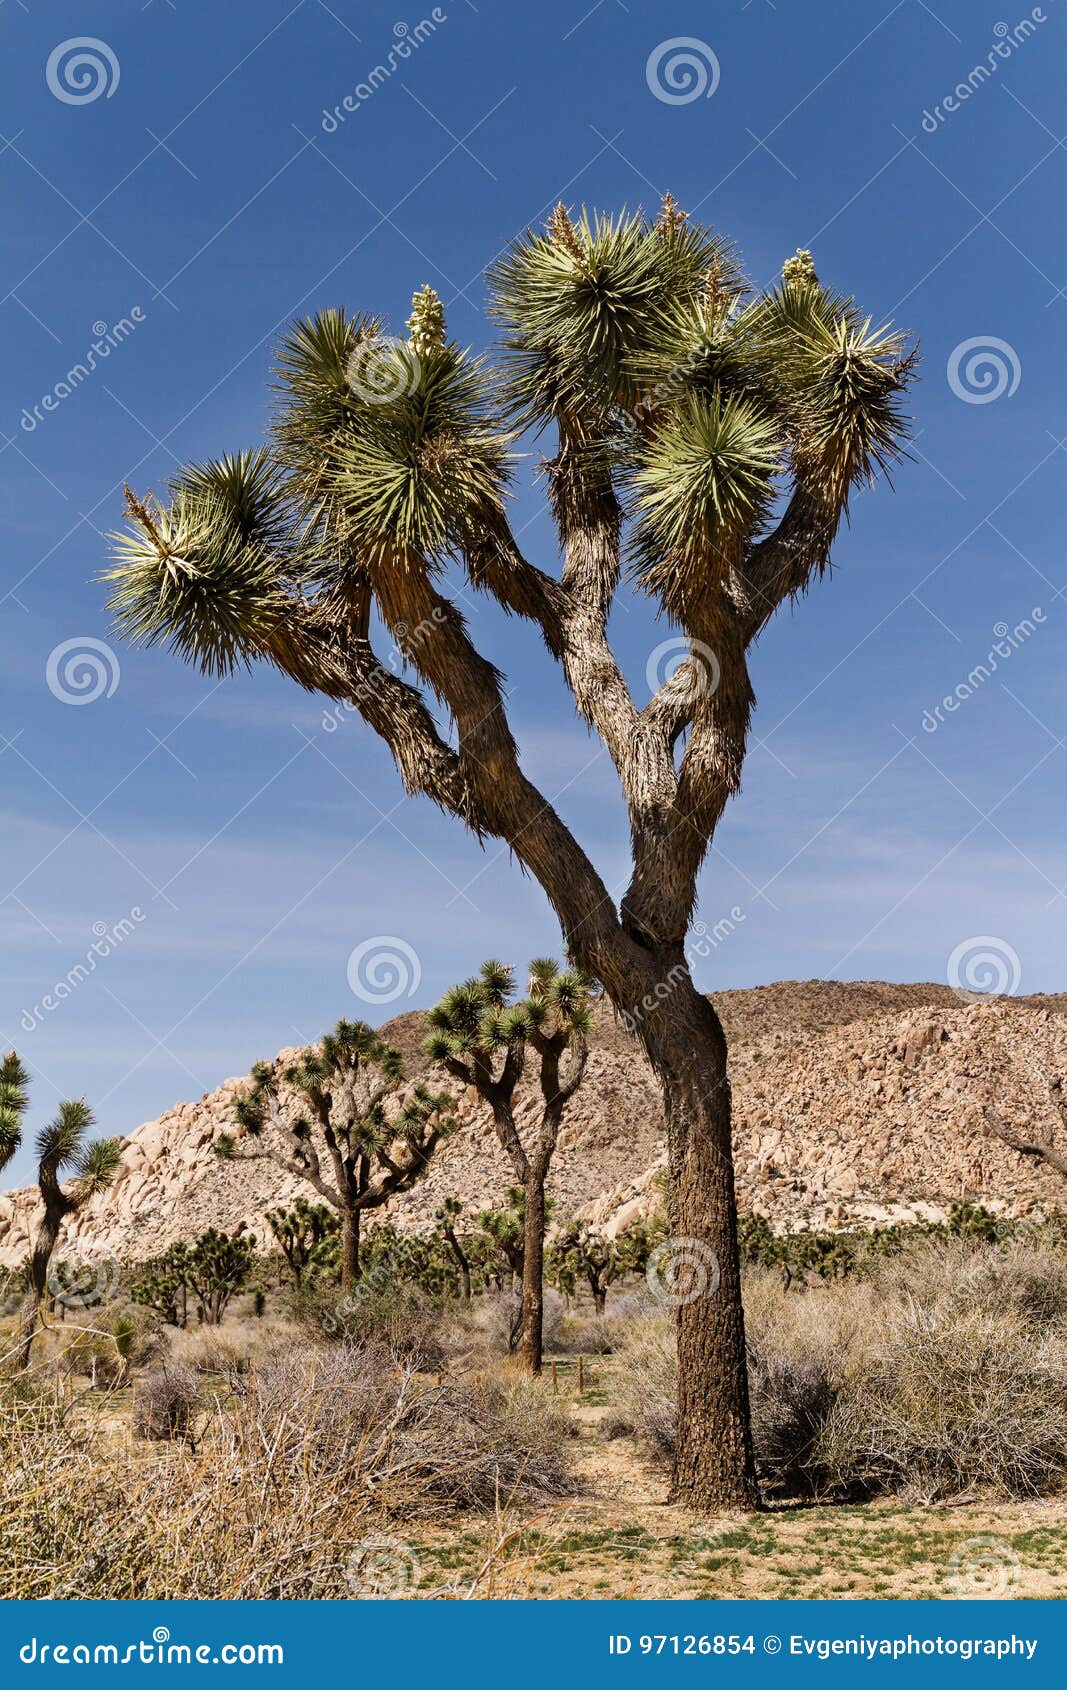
[{"x": 1036, "y": 1143}]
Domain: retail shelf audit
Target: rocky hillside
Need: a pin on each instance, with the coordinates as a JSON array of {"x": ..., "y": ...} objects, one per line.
[{"x": 852, "y": 1102}]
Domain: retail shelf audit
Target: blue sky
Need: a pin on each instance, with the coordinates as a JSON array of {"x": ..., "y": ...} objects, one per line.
[{"x": 247, "y": 849}]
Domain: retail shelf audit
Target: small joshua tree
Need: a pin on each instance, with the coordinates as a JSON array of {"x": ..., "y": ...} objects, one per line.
[
  {"x": 14, "y": 1081},
  {"x": 306, "y": 1236},
  {"x": 583, "y": 1251},
  {"x": 63, "y": 1144},
  {"x": 162, "y": 1285},
  {"x": 483, "y": 1036},
  {"x": 218, "y": 1267},
  {"x": 446, "y": 1217},
  {"x": 323, "y": 1118}
]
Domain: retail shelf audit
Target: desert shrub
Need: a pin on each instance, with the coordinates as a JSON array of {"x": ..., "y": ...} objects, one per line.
[
  {"x": 106, "y": 1351},
  {"x": 792, "y": 1400},
  {"x": 647, "y": 1384},
  {"x": 359, "y": 1412},
  {"x": 225, "y": 1354},
  {"x": 907, "y": 1384},
  {"x": 377, "y": 1311},
  {"x": 959, "y": 1400},
  {"x": 84, "y": 1517},
  {"x": 344, "y": 1443},
  {"x": 164, "y": 1403},
  {"x": 1025, "y": 1273},
  {"x": 581, "y": 1331}
]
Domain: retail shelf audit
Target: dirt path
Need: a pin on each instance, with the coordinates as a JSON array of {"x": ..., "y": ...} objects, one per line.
[{"x": 621, "y": 1538}]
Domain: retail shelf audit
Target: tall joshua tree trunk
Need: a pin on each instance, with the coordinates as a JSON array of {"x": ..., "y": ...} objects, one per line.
[
  {"x": 531, "y": 1336},
  {"x": 349, "y": 1248},
  {"x": 57, "y": 1207},
  {"x": 699, "y": 1269}
]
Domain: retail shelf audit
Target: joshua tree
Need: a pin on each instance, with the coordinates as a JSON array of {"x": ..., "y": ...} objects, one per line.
[
  {"x": 703, "y": 437},
  {"x": 446, "y": 1217},
  {"x": 1036, "y": 1142},
  {"x": 306, "y": 1236},
  {"x": 329, "y": 1108},
  {"x": 585, "y": 1251},
  {"x": 482, "y": 1036},
  {"x": 63, "y": 1144},
  {"x": 14, "y": 1081},
  {"x": 217, "y": 1267},
  {"x": 163, "y": 1285}
]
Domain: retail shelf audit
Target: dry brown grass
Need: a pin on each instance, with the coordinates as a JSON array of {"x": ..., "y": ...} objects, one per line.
[
  {"x": 301, "y": 1483},
  {"x": 941, "y": 1378}
]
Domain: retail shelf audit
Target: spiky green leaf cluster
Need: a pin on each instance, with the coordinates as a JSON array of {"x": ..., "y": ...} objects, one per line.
[
  {"x": 576, "y": 303},
  {"x": 14, "y": 1081},
  {"x": 672, "y": 388},
  {"x": 62, "y": 1145},
  {"x": 482, "y": 1014},
  {"x": 706, "y": 480},
  {"x": 203, "y": 574}
]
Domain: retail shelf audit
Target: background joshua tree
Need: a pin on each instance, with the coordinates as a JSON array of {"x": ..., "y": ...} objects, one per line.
[
  {"x": 584, "y": 1252},
  {"x": 14, "y": 1097},
  {"x": 446, "y": 1217},
  {"x": 217, "y": 1267},
  {"x": 306, "y": 1235},
  {"x": 323, "y": 1118},
  {"x": 1036, "y": 1142},
  {"x": 504, "y": 1230},
  {"x": 482, "y": 1037},
  {"x": 704, "y": 439},
  {"x": 93, "y": 1164},
  {"x": 163, "y": 1285}
]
